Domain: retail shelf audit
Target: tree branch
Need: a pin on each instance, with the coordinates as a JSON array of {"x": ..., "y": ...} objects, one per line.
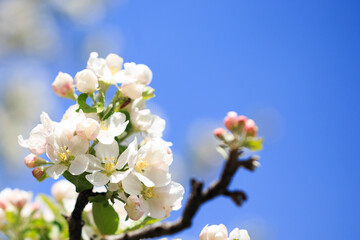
[{"x": 197, "y": 197}]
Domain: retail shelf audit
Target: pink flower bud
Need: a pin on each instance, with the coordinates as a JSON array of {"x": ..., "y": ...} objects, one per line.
[
  {"x": 230, "y": 120},
  {"x": 89, "y": 129},
  {"x": 63, "y": 85},
  {"x": 219, "y": 133},
  {"x": 134, "y": 207},
  {"x": 251, "y": 128},
  {"x": 35, "y": 206},
  {"x": 2, "y": 205},
  {"x": 39, "y": 173},
  {"x": 86, "y": 81},
  {"x": 32, "y": 161}
]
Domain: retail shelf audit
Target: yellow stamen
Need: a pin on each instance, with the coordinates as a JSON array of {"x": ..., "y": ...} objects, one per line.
[
  {"x": 141, "y": 165},
  {"x": 114, "y": 69},
  {"x": 148, "y": 192},
  {"x": 64, "y": 154},
  {"x": 104, "y": 126}
]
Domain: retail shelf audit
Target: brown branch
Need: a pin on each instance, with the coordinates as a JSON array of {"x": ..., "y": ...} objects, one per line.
[{"x": 197, "y": 197}]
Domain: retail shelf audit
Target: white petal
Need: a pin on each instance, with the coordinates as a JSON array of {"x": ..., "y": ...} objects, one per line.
[
  {"x": 128, "y": 156},
  {"x": 239, "y": 234},
  {"x": 56, "y": 170},
  {"x": 118, "y": 176},
  {"x": 97, "y": 179},
  {"x": 131, "y": 184},
  {"x": 147, "y": 182},
  {"x": 78, "y": 145},
  {"x": 79, "y": 164},
  {"x": 107, "y": 151},
  {"x": 106, "y": 137},
  {"x": 94, "y": 164}
]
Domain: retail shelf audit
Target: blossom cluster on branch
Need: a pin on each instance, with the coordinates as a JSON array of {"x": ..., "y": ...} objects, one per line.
[{"x": 112, "y": 153}]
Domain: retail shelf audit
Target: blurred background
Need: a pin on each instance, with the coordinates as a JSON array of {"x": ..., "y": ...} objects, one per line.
[{"x": 293, "y": 66}]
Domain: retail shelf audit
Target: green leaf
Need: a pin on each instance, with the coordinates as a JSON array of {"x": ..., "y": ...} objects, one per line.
[
  {"x": 100, "y": 105},
  {"x": 98, "y": 199},
  {"x": 80, "y": 182},
  {"x": 142, "y": 223},
  {"x": 105, "y": 217},
  {"x": 83, "y": 105},
  {"x": 254, "y": 144},
  {"x": 148, "y": 93}
]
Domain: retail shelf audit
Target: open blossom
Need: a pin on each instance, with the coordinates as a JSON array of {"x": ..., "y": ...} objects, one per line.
[
  {"x": 112, "y": 127},
  {"x": 36, "y": 143},
  {"x": 63, "y": 85},
  {"x": 86, "y": 81},
  {"x": 214, "y": 232},
  {"x": 134, "y": 78},
  {"x": 238, "y": 234},
  {"x": 66, "y": 154},
  {"x": 104, "y": 167},
  {"x": 105, "y": 69},
  {"x": 88, "y": 128}
]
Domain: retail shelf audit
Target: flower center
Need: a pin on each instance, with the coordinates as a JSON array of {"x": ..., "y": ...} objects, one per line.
[
  {"x": 148, "y": 192},
  {"x": 109, "y": 167},
  {"x": 114, "y": 69},
  {"x": 64, "y": 154},
  {"x": 141, "y": 165},
  {"x": 104, "y": 126}
]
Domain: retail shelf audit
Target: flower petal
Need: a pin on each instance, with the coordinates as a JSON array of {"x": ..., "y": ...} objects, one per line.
[
  {"x": 97, "y": 179},
  {"x": 131, "y": 184},
  {"x": 79, "y": 165},
  {"x": 107, "y": 151},
  {"x": 118, "y": 176},
  {"x": 78, "y": 145},
  {"x": 56, "y": 170},
  {"x": 106, "y": 137},
  {"x": 147, "y": 182},
  {"x": 128, "y": 156}
]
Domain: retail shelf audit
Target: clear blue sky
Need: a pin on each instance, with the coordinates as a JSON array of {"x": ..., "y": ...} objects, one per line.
[{"x": 293, "y": 64}]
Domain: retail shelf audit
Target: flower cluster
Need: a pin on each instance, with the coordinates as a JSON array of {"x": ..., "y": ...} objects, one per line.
[
  {"x": 89, "y": 146},
  {"x": 220, "y": 232}
]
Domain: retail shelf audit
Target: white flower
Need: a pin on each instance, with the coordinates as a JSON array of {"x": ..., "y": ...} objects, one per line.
[
  {"x": 86, "y": 81},
  {"x": 88, "y": 128},
  {"x": 66, "y": 153},
  {"x": 150, "y": 165},
  {"x": 158, "y": 201},
  {"x": 63, "y": 189},
  {"x": 63, "y": 85},
  {"x": 214, "y": 232},
  {"x": 105, "y": 69},
  {"x": 36, "y": 143},
  {"x": 17, "y": 198},
  {"x": 114, "y": 126},
  {"x": 238, "y": 234},
  {"x": 134, "y": 78},
  {"x": 134, "y": 207},
  {"x": 104, "y": 166}
]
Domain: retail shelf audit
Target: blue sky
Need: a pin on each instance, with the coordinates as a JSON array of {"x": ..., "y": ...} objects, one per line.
[{"x": 293, "y": 66}]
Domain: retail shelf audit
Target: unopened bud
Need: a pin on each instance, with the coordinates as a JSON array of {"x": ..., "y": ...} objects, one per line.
[
  {"x": 63, "y": 85},
  {"x": 219, "y": 133},
  {"x": 241, "y": 122},
  {"x": 39, "y": 173},
  {"x": 35, "y": 206},
  {"x": 89, "y": 128},
  {"x": 230, "y": 121},
  {"x": 133, "y": 207},
  {"x": 2, "y": 205},
  {"x": 239, "y": 234},
  {"x": 214, "y": 232},
  {"x": 32, "y": 161},
  {"x": 86, "y": 81},
  {"x": 251, "y": 128}
]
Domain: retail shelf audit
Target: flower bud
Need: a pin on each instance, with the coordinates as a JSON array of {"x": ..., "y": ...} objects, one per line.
[
  {"x": 35, "y": 206},
  {"x": 39, "y": 173},
  {"x": 241, "y": 122},
  {"x": 230, "y": 121},
  {"x": 2, "y": 205},
  {"x": 32, "y": 161},
  {"x": 237, "y": 234},
  {"x": 214, "y": 232},
  {"x": 220, "y": 133},
  {"x": 63, "y": 85},
  {"x": 251, "y": 128},
  {"x": 86, "y": 81},
  {"x": 88, "y": 128},
  {"x": 19, "y": 198},
  {"x": 144, "y": 74},
  {"x": 133, "y": 207}
]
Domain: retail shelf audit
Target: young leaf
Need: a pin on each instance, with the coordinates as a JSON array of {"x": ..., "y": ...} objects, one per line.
[
  {"x": 105, "y": 217},
  {"x": 80, "y": 182},
  {"x": 142, "y": 223},
  {"x": 148, "y": 93},
  {"x": 254, "y": 144},
  {"x": 83, "y": 105}
]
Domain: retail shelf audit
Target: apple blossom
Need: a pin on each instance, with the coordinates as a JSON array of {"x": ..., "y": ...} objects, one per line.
[
  {"x": 63, "y": 189},
  {"x": 63, "y": 85},
  {"x": 214, "y": 232},
  {"x": 237, "y": 234},
  {"x": 105, "y": 69},
  {"x": 88, "y": 128},
  {"x": 230, "y": 120},
  {"x": 134, "y": 207},
  {"x": 86, "y": 81},
  {"x": 112, "y": 127}
]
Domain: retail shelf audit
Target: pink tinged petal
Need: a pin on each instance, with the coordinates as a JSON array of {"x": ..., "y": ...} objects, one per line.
[
  {"x": 78, "y": 145},
  {"x": 106, "y": 137},
  {"x": 118, "y": 176},
  {"x": 97, "y": 179},
  {"x": 107, "y": 151},
  {"x": 56, "y": 170},
  {"x": 94, "y": 164},
  {"x": 132, "y": 185},
  {"x": 128, "y": 156},
  {"x": 79, "y": 165},
  {"x": 146, "y": 181}
]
